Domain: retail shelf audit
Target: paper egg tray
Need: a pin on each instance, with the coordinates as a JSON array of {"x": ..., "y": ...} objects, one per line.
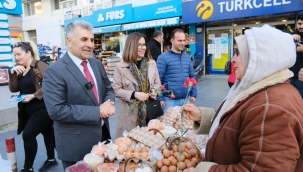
[{"x": 147, "y": 138}]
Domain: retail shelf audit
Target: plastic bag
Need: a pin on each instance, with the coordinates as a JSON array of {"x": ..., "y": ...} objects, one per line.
[
  {"x": 108, "y": 167},
  {"x": 79, "y": 167},
  {"x": 199, "y": 140},
  {"x": 99, "y": 149},
  {"x": 123, "y": 141}
]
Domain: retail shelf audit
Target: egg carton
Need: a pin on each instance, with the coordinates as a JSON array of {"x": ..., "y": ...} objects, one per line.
[
  {"x": 147, "y": 138},
  {"x": 112, "y": 153}
]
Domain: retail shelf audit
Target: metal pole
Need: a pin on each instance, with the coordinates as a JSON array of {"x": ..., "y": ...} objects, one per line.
[{"x": 11, "y": 152}]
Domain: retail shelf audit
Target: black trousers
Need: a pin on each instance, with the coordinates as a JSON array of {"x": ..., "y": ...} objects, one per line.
[
  {"x": 39, "y": 122},
  {"x": 105, "y": 136}
]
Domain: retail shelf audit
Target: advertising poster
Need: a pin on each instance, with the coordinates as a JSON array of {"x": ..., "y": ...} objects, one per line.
[{"x": 4, "y": 75}]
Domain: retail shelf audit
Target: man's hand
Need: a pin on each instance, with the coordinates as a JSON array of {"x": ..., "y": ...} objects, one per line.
[
  {"x": 107, "y": 109},
  {"x": 192, "y": 100},
  {"x": 28, "y": 98},
  {"x": 296, "y": 37},
  {"x": 141, "y": 96},
  {"x": 192, "y": 112},
  {"x": 301, "y": 74},
  {"x": 162, "y": 104},
  {"x": 300, "y": 48}
]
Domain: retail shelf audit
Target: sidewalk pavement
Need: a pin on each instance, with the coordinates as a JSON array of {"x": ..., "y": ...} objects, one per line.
[{"x": 212, "y": 89}]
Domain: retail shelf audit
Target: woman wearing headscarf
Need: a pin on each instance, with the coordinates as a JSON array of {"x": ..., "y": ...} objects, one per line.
[
  {"x": 136, "y": 78},
  {"x": 258, "y": 127}
]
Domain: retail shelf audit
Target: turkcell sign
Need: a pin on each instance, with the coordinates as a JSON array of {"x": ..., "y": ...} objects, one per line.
[
  {"x": 11, "y": 7},
  {"x": 205, "y": 10}
]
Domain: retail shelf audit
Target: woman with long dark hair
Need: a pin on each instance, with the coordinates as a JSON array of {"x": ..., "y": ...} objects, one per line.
[{"x": 135, "y": 78}]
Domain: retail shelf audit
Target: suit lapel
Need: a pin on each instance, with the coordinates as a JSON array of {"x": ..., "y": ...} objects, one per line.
[
  {"x": 78, "y": 75},
  {"x": 98, "y": 77}
]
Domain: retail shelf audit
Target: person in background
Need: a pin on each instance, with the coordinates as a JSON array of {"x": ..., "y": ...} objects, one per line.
[
  {"x": 175, "y": 66},
  {"x": 155, "y": 44},
  {"x": 136, "y": 78},
  {"x": 258, "y": 127},
  {"x": 297, "y": 69},
  {"x": 232, "y": 76},
  {"x": 33, "y": 118},
  {"x": 78, "y": 96}
]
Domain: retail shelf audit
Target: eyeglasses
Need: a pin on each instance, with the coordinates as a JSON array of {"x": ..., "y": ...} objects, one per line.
[
  {"x": 236, "y": 51},
  {"x": 141, "y": 45},
  {"x": 18, "y": 44}
]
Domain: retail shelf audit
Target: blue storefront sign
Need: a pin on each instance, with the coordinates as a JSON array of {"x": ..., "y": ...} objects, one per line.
[
  {"x": 197, "y": 11},
  {"x": 158, "y": 11},
  {"x": 11, "y": 7},
  {"x": 102, "y": 20},
  {"x": 107, "y": 17}
]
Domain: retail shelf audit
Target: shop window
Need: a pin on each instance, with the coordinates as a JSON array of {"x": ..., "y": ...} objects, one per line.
[
  {"x": 107, "y": 42},
  {"x": 60, "y": 4},
  {"x": 33, "y": 8},
  {"x": 32, "y": 35},
  {"x": 218, "y": 49}
]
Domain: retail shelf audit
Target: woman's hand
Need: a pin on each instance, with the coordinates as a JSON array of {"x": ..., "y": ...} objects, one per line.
[
  {"x": 153, "y": 95},
  {"x": 192, "y": 112},
  {"x": 18, "y": 69},
  {"x": 141, "y": 96},
  {"x": 28, "y": 98}
]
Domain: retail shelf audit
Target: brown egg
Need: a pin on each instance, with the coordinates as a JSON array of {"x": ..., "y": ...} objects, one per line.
[
  {"x": 190, "y": 164},
  {"x": 159, "y": 164},
  {"x": 172, "y": 168},
  {"x": 166, "y": 162},
  {"x": 175, "y": 148},
  {"x": 129, "y": 149},
  {"x": 174, "y": 162},
  {"x": 188, "y": 145},
  {"x": 144, "y": 155},
  {"x": 171, "y": 152},
  {"x": 166, "y": 153},
  {"x": 182, "y": 158},
  {"x": 137, "y": 154},
  {"x": 120, "y": 150},
  {"x": 144, "y": 150},
  {"x": 176, "y": 154},
  {"x": 183, "y": 147},
  {"x": 186, "y": 161},
  {"x": 182, "y": 165},
  {"x": 171, "y": 158},
  {"x": 128, "y": 155},
  {"x": 192, "y": 152},
  {"x": 187, "y": 155},
  {"x": 195, "y": 160},
  {"x": 137, "y": 150},
  {"x": 164, "y": 169}
]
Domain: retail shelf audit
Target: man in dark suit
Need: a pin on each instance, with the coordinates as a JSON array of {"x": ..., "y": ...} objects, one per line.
[
  {"x": 78, "y": 96},
  {"x": 155, "y": 44}
]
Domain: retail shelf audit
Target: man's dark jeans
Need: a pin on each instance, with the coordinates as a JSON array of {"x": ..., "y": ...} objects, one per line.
[{"x": 298, "y": 84}]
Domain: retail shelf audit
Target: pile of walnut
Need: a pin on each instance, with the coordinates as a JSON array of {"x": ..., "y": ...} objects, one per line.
[
  {"x": 169, "y": 163},
  {"x": 172, "y": 117}
]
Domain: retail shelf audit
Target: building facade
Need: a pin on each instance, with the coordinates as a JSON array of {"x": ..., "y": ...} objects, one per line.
[{"x": 217, "y": 22}]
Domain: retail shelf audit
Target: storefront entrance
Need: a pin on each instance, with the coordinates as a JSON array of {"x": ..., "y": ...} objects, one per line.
[{"x": 220, "y": 41}]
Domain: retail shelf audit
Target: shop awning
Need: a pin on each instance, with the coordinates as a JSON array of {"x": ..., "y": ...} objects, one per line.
[
  {"x": 152, "y": 23},
  {"x": 106, "y": 29}
]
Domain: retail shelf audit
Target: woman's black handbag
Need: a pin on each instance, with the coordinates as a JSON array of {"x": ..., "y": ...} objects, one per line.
[{"x": 154, "y": 109}]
